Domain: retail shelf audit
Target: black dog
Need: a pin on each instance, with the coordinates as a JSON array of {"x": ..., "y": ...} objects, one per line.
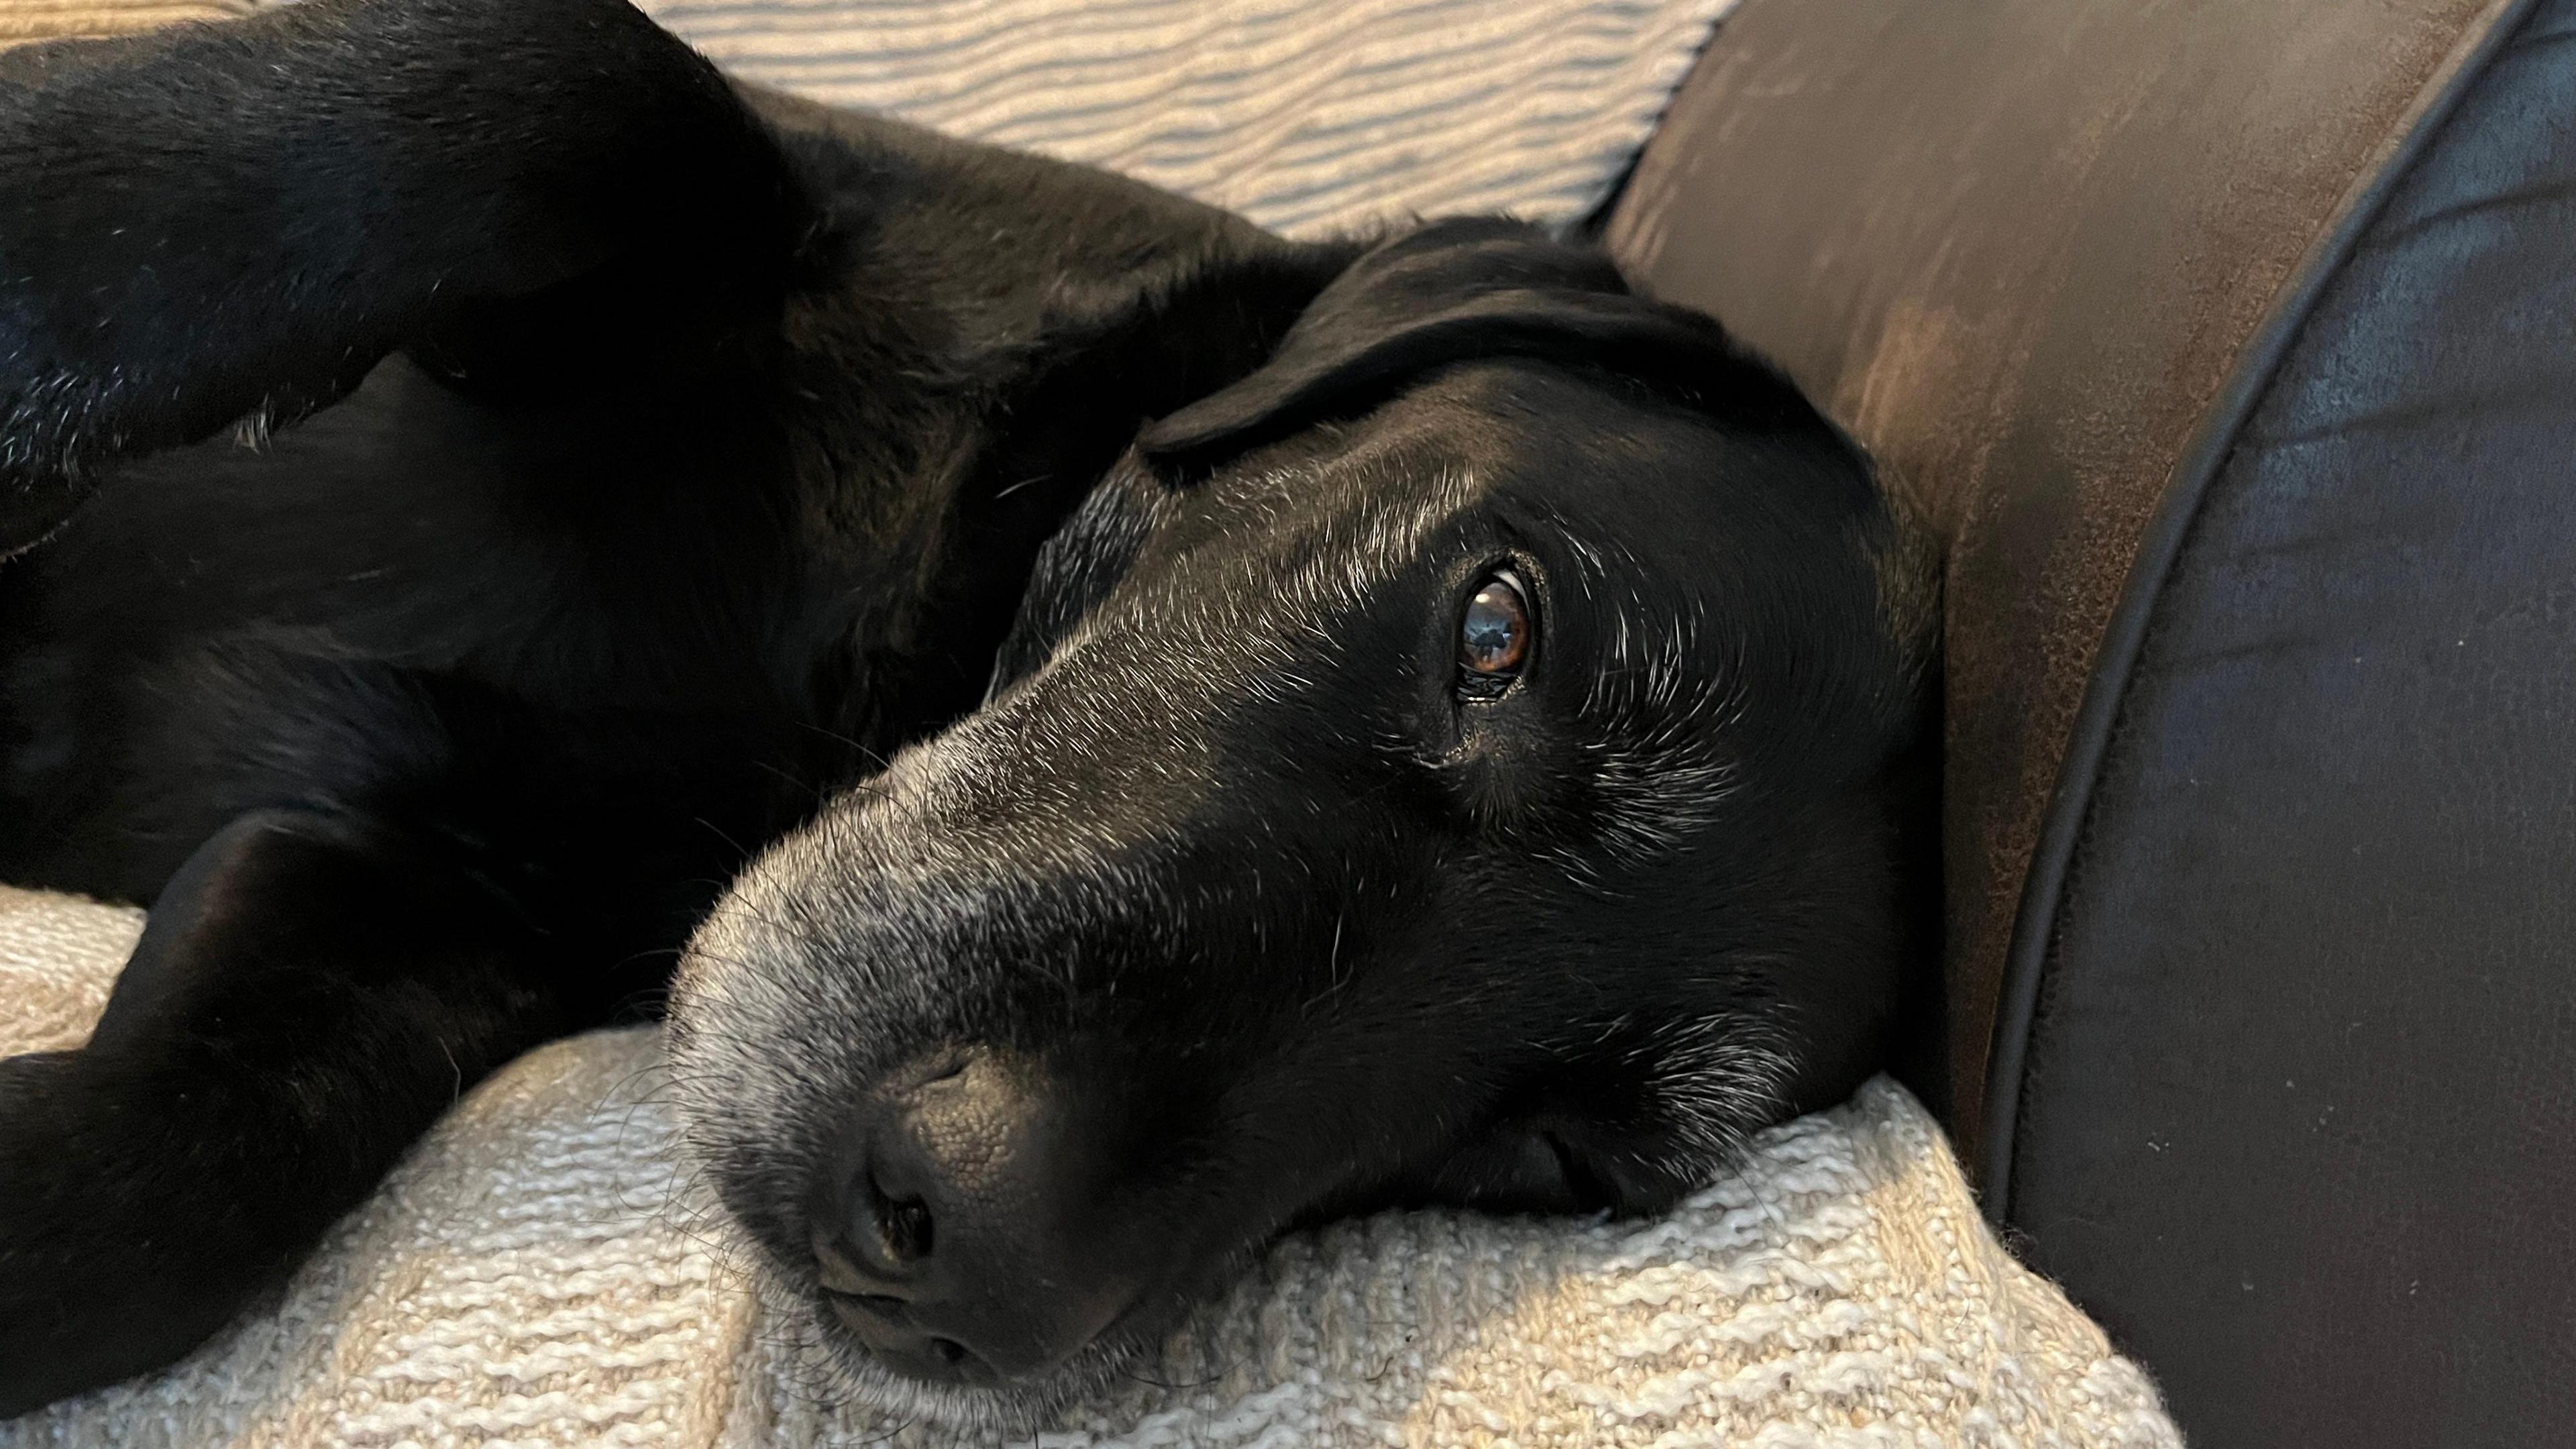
[{"x": 1468, "y": 750}]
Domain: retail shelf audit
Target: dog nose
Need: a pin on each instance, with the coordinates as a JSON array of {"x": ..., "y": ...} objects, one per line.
[{"x": 951, "y": 1239}]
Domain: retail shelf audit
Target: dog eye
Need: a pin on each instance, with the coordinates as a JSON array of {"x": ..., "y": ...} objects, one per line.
[{"x": 1494, "y": 637}]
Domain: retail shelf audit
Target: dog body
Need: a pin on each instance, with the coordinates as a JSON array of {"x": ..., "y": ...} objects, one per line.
[{"x": 495, "y": 497}]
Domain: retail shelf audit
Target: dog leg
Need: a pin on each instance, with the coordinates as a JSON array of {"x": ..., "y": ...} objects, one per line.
[
  {"x": 230, "y": 222},
  {"x": 310, "y": 994}
]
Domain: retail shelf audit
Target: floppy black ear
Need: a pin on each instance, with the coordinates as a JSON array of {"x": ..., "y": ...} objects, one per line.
[
  {"x": 1067, "y": 392},
  {"x": 1076, "y": 569},
  {"x": 1473, "y": 288}
]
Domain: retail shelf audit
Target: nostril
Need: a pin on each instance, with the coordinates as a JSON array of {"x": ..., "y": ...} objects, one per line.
[
  {"x": 903, "y": 1227},
  {"x": 950, "y": 1351}
]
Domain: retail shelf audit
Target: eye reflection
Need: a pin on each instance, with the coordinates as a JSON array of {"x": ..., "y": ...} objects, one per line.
[{"x": 1494, "y": 637}]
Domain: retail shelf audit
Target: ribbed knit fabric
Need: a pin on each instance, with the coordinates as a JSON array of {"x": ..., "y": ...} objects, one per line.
[
  {"x": 24, "y": 20},
  {"x": 1305, "y": 115},
  {"x": 525, "y": 1278}
]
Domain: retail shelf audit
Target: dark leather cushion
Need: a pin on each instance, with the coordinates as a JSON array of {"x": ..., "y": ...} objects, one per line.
[{"x": 2232, "y": 350}]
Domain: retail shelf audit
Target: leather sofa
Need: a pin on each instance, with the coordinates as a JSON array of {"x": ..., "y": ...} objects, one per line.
[{"x": 2230, "y": 351}]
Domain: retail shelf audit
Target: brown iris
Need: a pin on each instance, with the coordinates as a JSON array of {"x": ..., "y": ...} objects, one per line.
[{"x": 1495, "y": 636}]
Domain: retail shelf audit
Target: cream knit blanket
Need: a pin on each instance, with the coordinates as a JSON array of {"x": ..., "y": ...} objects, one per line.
[
  {"x": 1305, "y": 115},
  {"x": 526, "y": 1278}
]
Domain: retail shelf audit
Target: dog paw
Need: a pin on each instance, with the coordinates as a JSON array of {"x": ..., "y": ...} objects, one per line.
[{"x": 101, "y": 1276}]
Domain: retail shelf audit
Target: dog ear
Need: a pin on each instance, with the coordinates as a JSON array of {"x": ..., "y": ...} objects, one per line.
[
  {"x": 1068, "y": 389},
  {"x": 1472, "y": 288},
  {"x": 1076, "y": 569}
]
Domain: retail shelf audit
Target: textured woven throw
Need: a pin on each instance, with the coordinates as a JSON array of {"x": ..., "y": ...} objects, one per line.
[
  {"x": 1305, "y": 115},
  {"x": 531, "y": 1276},
  {"x": 24, "y": 20}
]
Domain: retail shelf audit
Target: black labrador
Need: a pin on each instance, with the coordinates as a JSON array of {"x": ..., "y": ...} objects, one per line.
[{"x": 1135, "y": 733}]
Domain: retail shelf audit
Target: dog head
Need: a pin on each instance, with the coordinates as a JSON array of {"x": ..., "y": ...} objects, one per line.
[{"x": 1472, "y": 760}]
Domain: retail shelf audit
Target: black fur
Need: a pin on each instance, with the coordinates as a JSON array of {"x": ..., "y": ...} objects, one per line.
[{"x": 492, "y": 496}]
